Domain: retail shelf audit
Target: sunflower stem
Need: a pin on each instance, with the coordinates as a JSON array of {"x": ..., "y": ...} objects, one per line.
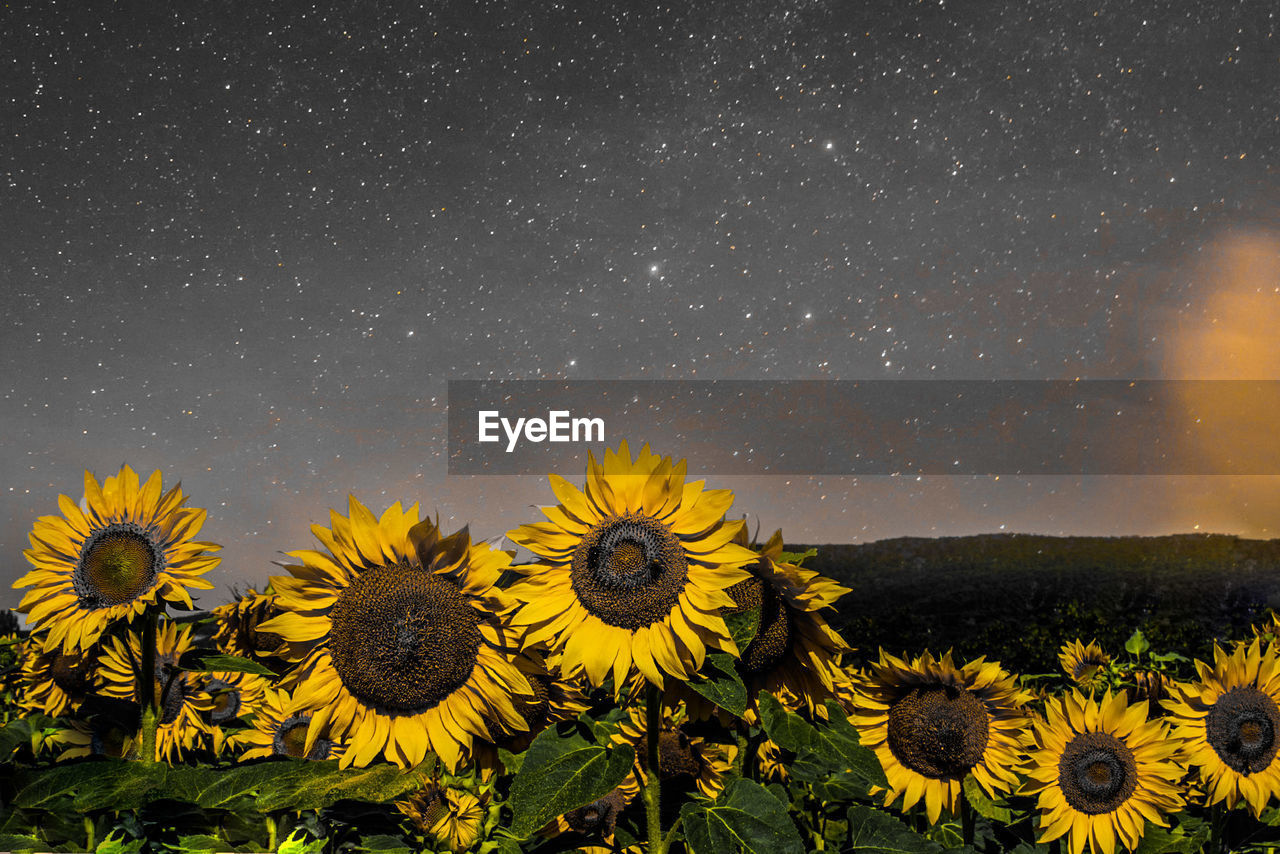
[
  {"x": 653, "y": 783},
  {"x": 90, "y": 843},
  {"x": 147, "y": 687},
  {"x": 272, "y": 838},
  {"x": 1217, "y": 829},
  {"x": 671, "y": 835},
  {"x": 966, "y": 820}
]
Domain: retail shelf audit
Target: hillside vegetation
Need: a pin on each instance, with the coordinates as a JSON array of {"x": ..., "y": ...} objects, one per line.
[{"x": 1017, "y": 597}]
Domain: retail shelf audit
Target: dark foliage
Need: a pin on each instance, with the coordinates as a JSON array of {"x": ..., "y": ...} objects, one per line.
[{"x": 1016, "y": 598}]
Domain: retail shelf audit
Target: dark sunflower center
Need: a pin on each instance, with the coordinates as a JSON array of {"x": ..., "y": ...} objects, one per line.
[
  {"x": 598, "y": 817},
  {"x": 70, "y": 674},
  {"x": 939, "y": 732},
  {"x": 403, "y": 638},
  {"x": 1086, "y": 665},
  {"x": 107, "y": 741},
  {"x": 174, "y": 695},
  {"x": 534, "y": 709},
  {"x": 676, "y": 755},
  {"x": 291, "y": 740},
  {"x": 1097, "y": 773},
  {"x": 117, "y": 564},
  {"x": 433, "y": 809},
  {"x": 1241, "y": 727},
  {"x": 226, "y": 702},
  {"x": 629, "y": 571},
  {"x": 773, "y": 631}
]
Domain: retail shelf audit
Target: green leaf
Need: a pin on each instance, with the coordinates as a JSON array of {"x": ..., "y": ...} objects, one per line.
[
  {"x": 1158, "y": 840},
  {"x": 21, "y": 843},
  {"x": 121, "y": 785},
  {"x": 317, "y": 785},
  {"x": 983, "y": 805},
  {"x": 745, "y": 818},
  {"x": 743, "y": 627},
  {"x": 829, "y": 753},
  {"x": 562, "y": 771},
  {"x": 510, "y": 761},
  {"x": 385, "y": 844},
  {"x": 725, "y": 689},
  {"x": 1137, "y": 643},
  {"x": 300, "y": 844},
  {"x": 40, "y": 787},
  {"x": 123, "y": 845},
  {"x": 797, "y": 558},
  {"x": 12, "y": 736},
  {"x": 875, "y": 831},
  {"x": 196, "y": 662},
  {"x": 245, "y": 781},
  {"x": 200, "y": 844}
]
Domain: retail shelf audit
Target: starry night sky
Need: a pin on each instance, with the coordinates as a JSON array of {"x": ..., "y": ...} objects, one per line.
[{"x": 248, "y": 244}]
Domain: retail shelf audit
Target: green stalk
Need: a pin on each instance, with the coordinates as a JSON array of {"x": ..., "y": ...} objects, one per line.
[
  {"x": 671, "y": 834},
  {"x": 652, "y": 788},
  {"x": 1214, "y": 844},
  {"x": 272, "y": 840},
  {"x": 90, "y": 843},
  {"x": 147, "y": 688}
]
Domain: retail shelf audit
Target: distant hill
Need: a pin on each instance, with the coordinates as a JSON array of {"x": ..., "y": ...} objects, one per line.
[{"x": 1018, "y": 597}]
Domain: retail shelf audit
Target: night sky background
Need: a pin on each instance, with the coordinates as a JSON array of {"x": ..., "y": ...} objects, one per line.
[{"x": 248, "y": 244}]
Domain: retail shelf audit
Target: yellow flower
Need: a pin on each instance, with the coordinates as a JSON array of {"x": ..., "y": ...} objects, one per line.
[
  {"x": 56, "y": 682},
  {"x": 1084, "y": 664},
  {"x": 280, "y": 728},
  {"x": 554, "y": 698},
  {"x": 1101, "y": 770},
  {"x": 794, "y": 653},
  {"x": 1230, "y": 721},
  {"x": 770, "y": 762},
  {"x": 237, "y": 623},
  {"x": 98, "y": 737},
  {"x": 453, "y": 818},
  {"x": 409, "y": 650},
  {"x": 598, "y": 819},
  {"x": 682, "y": 757},
  {"x": 932, "y": 724},
  {"x": 123, "y": 549},
  {"x": 233, "y": 695},
  {"x": 180, "y": 698},
  {"x": 633, "y": 571}
]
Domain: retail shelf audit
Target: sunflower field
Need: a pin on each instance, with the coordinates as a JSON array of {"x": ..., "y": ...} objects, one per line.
[{"x": 652, "y": 681}]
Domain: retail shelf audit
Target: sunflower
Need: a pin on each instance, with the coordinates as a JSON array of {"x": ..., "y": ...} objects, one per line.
[
  {"x": 682, "y": 757},
  {"x": 598, "y": 819},
  {"x": 236, "y": 626},
  {"x": 453, "y": 817},
  {"x": 932, "y": 724},
  {"x": 1101, "y": 770},
  {"x": 409, "y": 648},
  {"x": 770, "y": 762},
  {"x": 794, "y": 653},
  {"x": 280, "y": 728},
  {"x": 554, "y": 698},
  {"x": 94, "y": 737},
  {"x": 123, "y": 549},
  {"x": 633, "y": 570},
  {"x": 234, "y": 695},
  {"x": 1268, "y": 631},
  {"x": 56, "y": 682},
  {"x": 180, "y": 698},
  {"x": 1230, "y": 721},
  {"x": 1086, "y": 665}
]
